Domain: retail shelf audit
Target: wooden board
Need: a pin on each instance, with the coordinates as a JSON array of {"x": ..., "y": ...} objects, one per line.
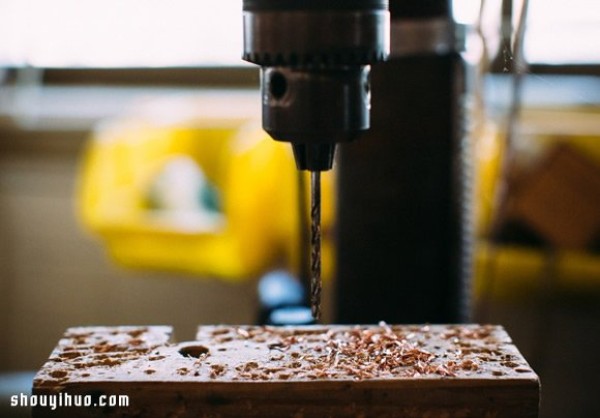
[{"x": 319, "y": 371}]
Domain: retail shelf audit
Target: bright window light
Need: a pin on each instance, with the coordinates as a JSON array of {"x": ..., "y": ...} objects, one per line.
[
  {"x": 166, "y": 33},
  {"x": 120, "y": 33},
  {"x": 563, "y": 32},
  {"x": 466, "y": 12}
]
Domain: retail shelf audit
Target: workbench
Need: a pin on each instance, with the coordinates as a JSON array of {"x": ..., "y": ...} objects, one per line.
[{"x": 312, "y": 371}]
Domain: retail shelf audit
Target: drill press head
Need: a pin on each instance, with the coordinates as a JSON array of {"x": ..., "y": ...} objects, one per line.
[{"x": 315, "y": 58}]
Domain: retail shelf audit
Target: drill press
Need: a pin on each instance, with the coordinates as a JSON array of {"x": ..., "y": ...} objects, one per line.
[{"x": 315, "y": 58}]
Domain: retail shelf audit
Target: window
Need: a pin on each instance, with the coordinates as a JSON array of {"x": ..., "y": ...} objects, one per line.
[
  {"x": 120, "y": 33},
  {"x": 196, "y": 33},
  {"x": 563, "y": 32}
]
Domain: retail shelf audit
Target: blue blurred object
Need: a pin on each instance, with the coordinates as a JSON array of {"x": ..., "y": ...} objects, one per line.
[
  {"x": 292, "y": 315},
  {"x": 12, "y": 384},
  {"x": 283, "y": 300},
  {"x": 280, "y": 288}
]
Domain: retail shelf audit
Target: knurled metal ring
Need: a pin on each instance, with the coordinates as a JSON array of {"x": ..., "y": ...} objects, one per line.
[{"x": 316, "y": 38}]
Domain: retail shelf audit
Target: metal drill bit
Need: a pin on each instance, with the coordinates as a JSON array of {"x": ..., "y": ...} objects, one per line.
[{"x": 315, "y": 244}]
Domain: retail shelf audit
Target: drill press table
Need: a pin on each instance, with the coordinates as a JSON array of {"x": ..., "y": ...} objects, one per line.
[{"x": 319, "y": 371}]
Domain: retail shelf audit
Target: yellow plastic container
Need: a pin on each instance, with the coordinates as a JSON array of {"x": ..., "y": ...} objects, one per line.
[
  {"x": 518, "y": 270},
  {"x": 258, "y": 186}
]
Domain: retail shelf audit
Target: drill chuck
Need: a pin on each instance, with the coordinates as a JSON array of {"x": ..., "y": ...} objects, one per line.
[{"x": 315, "y": 57}]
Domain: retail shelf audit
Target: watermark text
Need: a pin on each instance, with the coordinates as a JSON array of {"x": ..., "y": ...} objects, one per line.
[{"x": 66, "y": 400}]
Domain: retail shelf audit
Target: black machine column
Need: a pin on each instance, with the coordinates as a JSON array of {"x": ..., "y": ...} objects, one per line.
[{"x": 403, "y": 212}]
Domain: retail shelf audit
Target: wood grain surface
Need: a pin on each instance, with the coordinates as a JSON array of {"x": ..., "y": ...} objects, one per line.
[{"x": 317, "y": 371}]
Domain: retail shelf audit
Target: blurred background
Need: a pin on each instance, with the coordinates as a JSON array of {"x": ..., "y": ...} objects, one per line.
[{"x": 137, "y": 187}]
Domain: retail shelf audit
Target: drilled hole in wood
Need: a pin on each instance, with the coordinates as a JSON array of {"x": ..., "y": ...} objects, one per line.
[{"x": 194, "y": 351}]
